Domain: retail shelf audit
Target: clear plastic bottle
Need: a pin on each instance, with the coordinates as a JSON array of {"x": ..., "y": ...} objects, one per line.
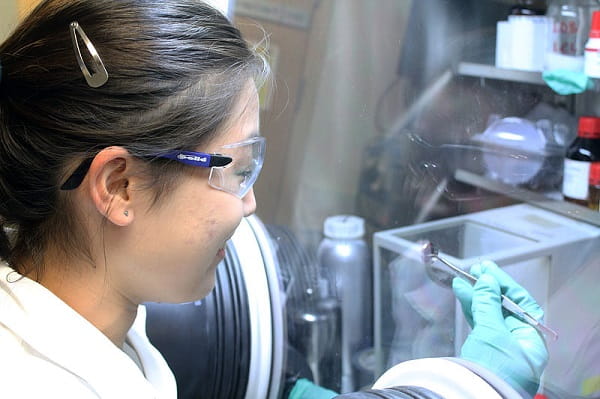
[
  {"x": 345, "y": 262},
  {"x": 568, "y": 33},
  {"x": 583, "y": 156}
]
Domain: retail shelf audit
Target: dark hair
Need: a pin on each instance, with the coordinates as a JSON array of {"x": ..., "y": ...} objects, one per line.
[{"x": 176, "y": 69}]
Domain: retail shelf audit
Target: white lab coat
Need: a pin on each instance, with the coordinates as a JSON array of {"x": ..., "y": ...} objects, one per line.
[{"x": 47, "y": 350}]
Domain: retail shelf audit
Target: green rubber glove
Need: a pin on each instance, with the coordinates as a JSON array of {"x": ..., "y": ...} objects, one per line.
[
  {"x": 499, "y": 341},
  {"x": 564, "y": 81},
  {"x": 305, "y": 389}
]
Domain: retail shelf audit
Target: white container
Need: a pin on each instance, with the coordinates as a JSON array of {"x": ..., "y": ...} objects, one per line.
[
  {"x": 528, "y": 42},
  {"x": 542, "y": 251},
  {"x": 592, "y": 49},
  {"x": 521, "y": 42},
  {"x": 592, "y": 58},
  {"x": 503, "y": 42}
]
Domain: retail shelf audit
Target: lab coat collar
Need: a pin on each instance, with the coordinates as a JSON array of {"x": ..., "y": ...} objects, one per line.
[{"x": 57, "y": 332}]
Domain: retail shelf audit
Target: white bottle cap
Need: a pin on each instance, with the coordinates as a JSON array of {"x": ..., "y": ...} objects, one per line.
[{"x": 344, "y": 227}]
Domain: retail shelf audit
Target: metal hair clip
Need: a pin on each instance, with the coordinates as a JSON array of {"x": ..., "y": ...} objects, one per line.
[{"x": 99, "y": 76}]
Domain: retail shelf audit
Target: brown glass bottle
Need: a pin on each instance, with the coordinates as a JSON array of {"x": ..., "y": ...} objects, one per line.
[
  {"x": 581, "y": 157},
  {"x": 594, "y": 187}
]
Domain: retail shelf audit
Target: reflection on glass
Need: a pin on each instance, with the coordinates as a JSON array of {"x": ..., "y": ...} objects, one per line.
[{"x": 372, "y": 117}]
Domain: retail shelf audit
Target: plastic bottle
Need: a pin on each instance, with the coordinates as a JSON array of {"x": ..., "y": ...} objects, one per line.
[
  {"x": 569, "y": 27},
  {"x": 345, "y": 262},
  {"x": 582, "y": 156},
  {"x": 592, "y": 48}
]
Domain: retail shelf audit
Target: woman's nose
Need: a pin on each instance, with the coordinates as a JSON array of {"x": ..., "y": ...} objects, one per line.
[{"x": 249, "y": 203}]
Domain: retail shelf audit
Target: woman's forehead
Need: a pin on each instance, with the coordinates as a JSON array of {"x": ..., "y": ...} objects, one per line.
[{"x": 244, "y": 120}]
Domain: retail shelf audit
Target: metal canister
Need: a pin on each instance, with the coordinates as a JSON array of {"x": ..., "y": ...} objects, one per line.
[{"x": 345, "y": 264}]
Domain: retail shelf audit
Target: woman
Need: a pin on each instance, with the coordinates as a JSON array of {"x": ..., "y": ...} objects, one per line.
[
  {"x": 97, "y": 188},
  {"x": 128, "y": 149}
]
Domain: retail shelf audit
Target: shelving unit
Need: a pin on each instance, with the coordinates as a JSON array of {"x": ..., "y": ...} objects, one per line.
[
  {"x": 485, "y": 71},
  {"x": 491, "y": 72},
  {"x": 536, "y": 199}
]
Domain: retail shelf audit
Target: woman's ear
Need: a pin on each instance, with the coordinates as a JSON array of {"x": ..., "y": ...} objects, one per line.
[{"x": 109, "y": 184}]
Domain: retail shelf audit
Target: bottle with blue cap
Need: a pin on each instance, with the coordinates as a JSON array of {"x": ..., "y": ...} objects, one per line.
[{"x": 345, "y": 266}]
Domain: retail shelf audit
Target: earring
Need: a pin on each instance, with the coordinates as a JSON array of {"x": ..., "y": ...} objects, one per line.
[{"x": 126, "y": 213}]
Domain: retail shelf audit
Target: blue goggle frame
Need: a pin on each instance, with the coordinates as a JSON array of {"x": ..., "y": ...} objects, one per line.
[{"x": 235, "y": 171}]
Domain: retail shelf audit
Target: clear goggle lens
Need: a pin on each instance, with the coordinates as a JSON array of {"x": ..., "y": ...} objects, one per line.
[
  {"x": 239, "y": 176},
  {"x": 234, "y": 170}
]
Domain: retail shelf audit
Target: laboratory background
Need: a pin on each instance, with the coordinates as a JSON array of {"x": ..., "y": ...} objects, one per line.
[{"x": 471, "y": 124}]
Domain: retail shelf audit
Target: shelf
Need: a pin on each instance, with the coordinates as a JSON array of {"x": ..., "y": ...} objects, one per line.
[
  {"x": 491, "y": 72},
  {"x": 568, "y": 209}
]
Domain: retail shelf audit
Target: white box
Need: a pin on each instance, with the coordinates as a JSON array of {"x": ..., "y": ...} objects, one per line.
[
  {"x": 543, "y": 251},
  {"x": 521, "y": 42}
]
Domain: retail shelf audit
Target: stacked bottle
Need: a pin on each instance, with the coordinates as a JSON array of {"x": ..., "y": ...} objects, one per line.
[
  {"x": 569, "y": 27},
  {"x": 581, "y": 180}
]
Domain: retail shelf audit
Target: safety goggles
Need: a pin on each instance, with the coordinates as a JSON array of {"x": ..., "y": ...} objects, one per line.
[{"x": 234, "y": 169}]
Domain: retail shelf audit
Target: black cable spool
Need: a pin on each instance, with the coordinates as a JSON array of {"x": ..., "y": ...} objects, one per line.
[{"x": 298, "y": 269}]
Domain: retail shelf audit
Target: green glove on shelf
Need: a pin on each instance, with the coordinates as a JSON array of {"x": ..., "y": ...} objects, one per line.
[
  {"x": 499, "y": 341},
  {"x": 564, "y": 81},
  {"x": 305, "y": 389}
]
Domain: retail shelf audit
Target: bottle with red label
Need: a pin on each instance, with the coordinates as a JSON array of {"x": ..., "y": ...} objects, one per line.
[
  {"x": 569, "y": 27},
  {"x": 591, "y": 65},
  {"x": 581, "y": 178}
]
